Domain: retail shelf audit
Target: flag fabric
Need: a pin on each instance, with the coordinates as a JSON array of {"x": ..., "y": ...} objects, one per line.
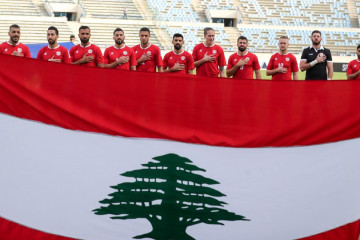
[{"x": 90, "y": 153}]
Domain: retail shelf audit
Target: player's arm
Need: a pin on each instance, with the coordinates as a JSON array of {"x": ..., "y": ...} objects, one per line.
[
  {"x": 257, "y": 74},
  {"x": 84, "y": 59},
  {"x": 330, "y": 67},
  {"x": 230, "y": 72},
  {"x": 272, "y": 72},
  {"x": 160, "y": 68},
  {"x": 133, "y": 68},
  {"x": 305, "y": 66},
  {"x": 295, "y": 76},
  {"x": 190, "y": 71},
  {"x": 100, "y": 65},
  {"x": 222, "y": 71},
  {"x": 206, "y": 58}
]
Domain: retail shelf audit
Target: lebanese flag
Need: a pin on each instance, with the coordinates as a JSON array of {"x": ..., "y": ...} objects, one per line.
[{"x": 90, "y": 153}]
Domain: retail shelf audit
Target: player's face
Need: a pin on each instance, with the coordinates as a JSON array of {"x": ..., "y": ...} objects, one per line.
[
  {"x": 210, "y": 37},
  {"x": 144, "y": 37},
  {"x": 178, "y": 42},
  {"x": 52, "y": 37},
  {"x": 84, "y": 35},
  {"x": 119, "y": 37},
  {"x": 242, "y": 45},
  {"x": 283, "y": 44},
  {"x": 14, "y": 34},
  {"x": 358, "y": 53},
  {"x": 316, "y": 38}
]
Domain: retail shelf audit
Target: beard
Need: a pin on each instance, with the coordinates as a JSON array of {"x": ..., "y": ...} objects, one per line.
[
  {"x": 84, "y": 40},
  {"x": 242, "y": 49},
  {"x": 119, "y": 41},
  {"x": 358, "y": 57},
  {"x": 13, "y": 39},
  {"x": 177, "y": 46},
  {"x": 51, "y": 41},
  {"x": 315, "y": 43}
]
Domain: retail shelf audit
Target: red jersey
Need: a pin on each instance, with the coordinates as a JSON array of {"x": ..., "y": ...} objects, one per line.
[
  {"x": 287, "y": 61},
  {"x": 77, "y": 52},
  {"x": 353, "y": 67},
  {"x": 210, "y": 69},
  {"x": 59, "y": 52},
  {"x": 155, "y": 59},
  {"x": 113, "y": 53},
  {"x": 8, "y": 48},
  {"x": 246, "y": 71},
  {"x": 172, "y": 58}
]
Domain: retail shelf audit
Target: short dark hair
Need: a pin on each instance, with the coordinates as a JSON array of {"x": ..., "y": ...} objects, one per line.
[
  {"x": 55, "y": 29},
  {"x": 358, "y": 46},
  {"x": 144, "y": 29},
  {"x": 316, "y": 31},
  {"x": 84, "y": 27},
  {"x": 208, "y": 29},
  {"x": 14, "y": 26},
  {"x": 178, "y": 35},
  {"x": 242, "y": 38},
  {"x": 118, "y": 30},
  {"x": 284, "y": 37}
]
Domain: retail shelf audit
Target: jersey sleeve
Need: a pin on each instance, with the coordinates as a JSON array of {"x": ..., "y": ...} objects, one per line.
[
  {"x": 27, "y": 53},
  {"x": 40, "y": 54},
  {"x": 222, "y": 60},
  {"x": 270, "y": 65},
  {"x": 194, "y": 53},
  {"x": 133, "y": 61},
  {"x": 328, "y": 56},
  {"x": 190, "y": 62},
  {"x": 256, "y": 65},
  {"x": 106, "y": 56},
  {"x": 304, "y": 55},
  {"x": 99, "y": 56},
  {"x": 350, "y": 69},
  {"x": 165, "y": 61},
  {"x": 66, "y": 56},
  {"x": 230, "y": 64},
  {"x": 294, "y": 64},
  {"x": 158, "y": 58},
  {"x": 72, "y": 50}
]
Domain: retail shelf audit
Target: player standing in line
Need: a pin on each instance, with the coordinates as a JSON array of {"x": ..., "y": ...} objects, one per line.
[
  {"x": 13, "y": 46},
  {"x": 178, "y": 60},
  {"x": 282, "y": 64},
  {"x": 209, "y": 57},
  {"x": 86, "y": 53},
  {"x": 148, "y": 56},
  {"x": 353, "y": 69},
  {"x": 243, "y": 63},
  {"x": 315, "y": 59},
  {"x": 120, "y": 56},
  {"x": 54, "y": 52}
]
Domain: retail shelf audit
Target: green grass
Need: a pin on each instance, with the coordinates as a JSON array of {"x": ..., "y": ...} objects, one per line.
[{"x": 336, "y": 76}]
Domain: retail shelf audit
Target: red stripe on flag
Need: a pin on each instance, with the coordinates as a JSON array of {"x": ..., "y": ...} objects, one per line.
[{"x": 214, "y": 111}]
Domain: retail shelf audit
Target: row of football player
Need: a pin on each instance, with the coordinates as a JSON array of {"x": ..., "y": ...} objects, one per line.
[{"x": 208, "y": 58}]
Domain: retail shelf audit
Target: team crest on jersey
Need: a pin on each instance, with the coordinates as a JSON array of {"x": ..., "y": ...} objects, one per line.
[
  {"x": 58, "y": 53},
  {"x": 19, "y": 50},
  {"x": 287, "y": 59},
  {"x": 90, "y": 51},
  {"x": 247, "y": 59},
  {"x": 214, "y": 51},
  {"x": 321, "y": 54},
  {"x": 125, "y": 52},
  {"x": 182, "y": 57},
  {"x": 148, "y": 52}
]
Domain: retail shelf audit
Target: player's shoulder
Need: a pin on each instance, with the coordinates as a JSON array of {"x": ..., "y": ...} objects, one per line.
[
  {"x": 354, "y": 61},
  {"x": 218, "y": 47}
]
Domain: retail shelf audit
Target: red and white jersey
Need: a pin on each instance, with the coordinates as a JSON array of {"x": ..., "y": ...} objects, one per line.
[
  {"x": 8, "y": 48},
  {"x": 154, "y": 61},
  {"x": 210, "y": 69},
  {"x": 58, "y": 52},
  {"x": 246, "y": 71},
  {"x": 77, "y": 52},
  {"x": 113, "y": 53},
  {"x": 287, "y": 61},
  {"x": 172, "y": 58},
  {"x": 353, "y": 67}
]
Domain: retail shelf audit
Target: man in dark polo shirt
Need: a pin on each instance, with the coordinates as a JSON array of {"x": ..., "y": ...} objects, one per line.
[{"x": 315, "y": 59}]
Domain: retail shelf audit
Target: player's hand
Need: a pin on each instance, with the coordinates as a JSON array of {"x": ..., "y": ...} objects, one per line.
[
  {"x": 86, "y": 58},
  {"x": 54, "y": 60},
  {"x": 122, "y": 60},
  {"x": 209, "y": 58},
  {"x": 321, "y": 58},
  {"x": 145, "y": 57},
  {"x": 281, "y": 70},
  {"x": 242, "y": 62},
  {"x": 16, "y": 53},
  {"x": 178, "y": 67}
]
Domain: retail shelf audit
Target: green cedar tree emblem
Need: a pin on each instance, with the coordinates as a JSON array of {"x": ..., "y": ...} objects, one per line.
[{"x": 170, "y": 196}]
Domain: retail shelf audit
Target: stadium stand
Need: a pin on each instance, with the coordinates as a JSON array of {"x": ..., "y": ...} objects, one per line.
[
  {"x": 176, "y": 11},
  {"x": 110, "y": 9},
  {"x": 22, "y": 8},
  {"x": 218, "y": 4}
]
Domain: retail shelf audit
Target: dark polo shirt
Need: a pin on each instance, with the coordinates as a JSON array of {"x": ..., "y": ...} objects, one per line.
[{"x": 318, "y": 71}]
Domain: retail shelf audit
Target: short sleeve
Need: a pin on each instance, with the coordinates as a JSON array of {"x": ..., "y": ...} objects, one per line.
[
  {"x": 328, "y": 56},
  {"x": 229, "y": 65},
  {"x": 256, "y": 65},
  {"x": 194, "y": 53},
  {"x": 222, "y": 60},
  {"x": 27, "y": 52},
  {"x": 165, "y": 61},
  {"x": 294, "y": 64},
  {"x": 270, "y": 65},
  {"x": 106, "y": 56},
  {"x": 350, "y": 68},
  {"x": 304, "y": 55},
  {"x": 133, "y": 61},
  {"x": 39, "y": 55},
  {"x": 190, "y": 62},
  {"x": 158, "y": 58},
  {"x": 66, "y": 58},
  {"x": 99, "y": 56}
]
